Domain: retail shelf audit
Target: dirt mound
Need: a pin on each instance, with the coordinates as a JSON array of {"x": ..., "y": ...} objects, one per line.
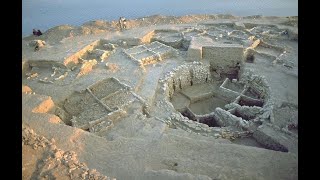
[
  {"x": 98, "y": 26},
  {"x": 55, "y": 163},
  {"x": 160, "y": 19},
  {"x": 56, "y": 34},
  {"x": 98, "y": 23}
]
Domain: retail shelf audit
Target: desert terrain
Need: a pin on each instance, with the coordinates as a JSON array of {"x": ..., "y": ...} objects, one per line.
[{"x": 188, "y": 97}]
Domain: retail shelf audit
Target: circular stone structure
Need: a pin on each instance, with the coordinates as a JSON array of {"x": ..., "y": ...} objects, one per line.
[{"x": 237, "y": 106}]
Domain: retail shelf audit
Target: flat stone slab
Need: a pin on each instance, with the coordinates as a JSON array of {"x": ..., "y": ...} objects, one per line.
[
  {"x": 195, "y": 93},
  {"x": 180, "y": 102}
]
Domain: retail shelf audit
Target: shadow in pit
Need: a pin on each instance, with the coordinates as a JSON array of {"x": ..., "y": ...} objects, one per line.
[{"x": 208, "y": 119}]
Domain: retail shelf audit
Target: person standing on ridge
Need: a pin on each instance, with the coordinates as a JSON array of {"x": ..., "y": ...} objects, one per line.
[
  {"x": 34, "y": 31},
  {"x": 39, "y": 33},
  {"x": 124, "y": 23},
  {"x": 120, "y": 23}
]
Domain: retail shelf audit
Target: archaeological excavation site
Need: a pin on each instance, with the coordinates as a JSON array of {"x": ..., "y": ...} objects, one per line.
[{"x": 189, "y": 98}]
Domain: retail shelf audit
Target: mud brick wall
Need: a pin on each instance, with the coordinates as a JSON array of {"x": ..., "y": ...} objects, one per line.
[{"x": 223, "y": 56}]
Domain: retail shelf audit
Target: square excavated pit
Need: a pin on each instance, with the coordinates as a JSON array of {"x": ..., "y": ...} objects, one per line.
[
  {"x": 83, "y": 108},
  {"x": 144, "y": 55},
  {"x": 173, "y": 41},
  {"x": 98, "y": 102},
  {"x": 136, "y": 49},
  {"x": 78, "y": 102},
  {"x": 106, "y": 87},
  {"x": 92, "y": 112},
  {"x": 118, "y": 99}
]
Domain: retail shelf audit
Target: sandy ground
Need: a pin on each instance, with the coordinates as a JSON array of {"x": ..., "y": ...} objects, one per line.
[{"x": 139, "y": 144}]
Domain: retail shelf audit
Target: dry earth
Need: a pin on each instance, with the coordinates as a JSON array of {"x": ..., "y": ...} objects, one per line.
[{"x": 191, "y": 97}]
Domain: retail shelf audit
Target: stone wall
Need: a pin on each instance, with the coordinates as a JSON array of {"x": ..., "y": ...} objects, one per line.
[
  {"x": 185, "y": 75},
  {"x": 74, "y": 59},
  {"x": 225, "y": 57}
]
